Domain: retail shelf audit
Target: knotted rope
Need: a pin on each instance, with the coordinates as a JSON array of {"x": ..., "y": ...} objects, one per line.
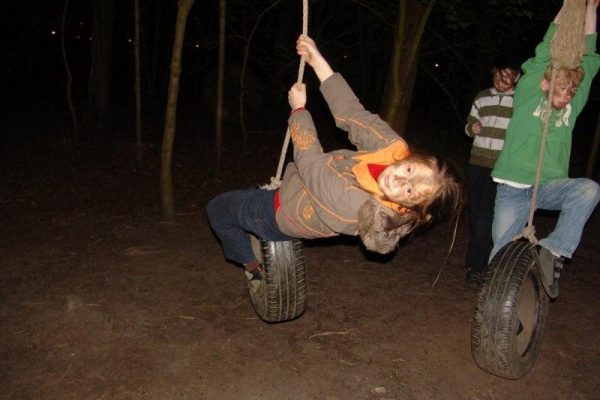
[
  {"x": 566, "y": 50},
  {"x": 276, "y": 180}
]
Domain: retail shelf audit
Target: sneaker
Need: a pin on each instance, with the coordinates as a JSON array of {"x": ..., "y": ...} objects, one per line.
[
  {"x": 550, "y": 267},
  {"x": 473, "y": 279},
  {"x": 254, "y": 277}
]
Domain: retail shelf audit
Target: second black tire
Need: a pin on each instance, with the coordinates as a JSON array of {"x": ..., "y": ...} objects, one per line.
[{"x": 510, "y": 313}]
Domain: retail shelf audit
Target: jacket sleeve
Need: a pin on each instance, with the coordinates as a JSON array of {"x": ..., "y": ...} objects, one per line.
[
  {"x": 591, "y": 64},
  {"x": 317, "y": 174},
  {"x": 367, "y": 131},
  {"x": 307, "y": 147},
  {"x": 541, "y": 60},
  {"x": 473, "y": 116}
]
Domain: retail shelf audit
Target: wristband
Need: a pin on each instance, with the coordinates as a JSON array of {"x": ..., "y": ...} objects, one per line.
[{"x": 295, "y": 110}]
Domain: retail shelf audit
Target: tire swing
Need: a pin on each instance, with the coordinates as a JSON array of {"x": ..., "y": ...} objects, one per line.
[
  {"x": 510, "y": 313},
  {"x": 281, "y": 295},
  {"x": 512, "y": 306}
]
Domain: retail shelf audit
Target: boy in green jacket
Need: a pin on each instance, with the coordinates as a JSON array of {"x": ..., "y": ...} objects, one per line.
[{"x": 515, "y": 169}]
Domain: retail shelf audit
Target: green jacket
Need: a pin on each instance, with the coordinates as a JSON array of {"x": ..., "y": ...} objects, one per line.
[
  {"x": 321, "y": 193},
  {"x": 518, "y": 159}
]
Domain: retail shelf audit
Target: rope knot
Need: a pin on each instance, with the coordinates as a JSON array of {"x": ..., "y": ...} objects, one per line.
[
  {"x": 275, "y": 184},
  {"x": 529, "y": 233}
]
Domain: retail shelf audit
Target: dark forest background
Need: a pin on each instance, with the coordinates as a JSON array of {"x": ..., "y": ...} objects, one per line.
[{"x": 461, "y": 41}]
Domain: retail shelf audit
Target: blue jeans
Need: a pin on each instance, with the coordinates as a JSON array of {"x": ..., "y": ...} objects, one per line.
[
  {"x": 233, "y": 214},
  {"x": 575, "y": 198}
]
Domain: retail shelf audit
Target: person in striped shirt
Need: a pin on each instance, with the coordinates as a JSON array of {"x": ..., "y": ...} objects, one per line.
[{"x": 486, "y": 124}]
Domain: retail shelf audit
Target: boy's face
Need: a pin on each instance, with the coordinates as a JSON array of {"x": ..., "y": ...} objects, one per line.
[
  {"x": 563, "y": 92},
  {"x": 505, "y": 79},
  {"x": 408, "y": 182}
]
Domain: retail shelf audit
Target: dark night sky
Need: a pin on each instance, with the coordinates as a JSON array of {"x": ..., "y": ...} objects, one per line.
[
  {"x": 355, "y": 40},
  {"x": 33, "y": 40}
]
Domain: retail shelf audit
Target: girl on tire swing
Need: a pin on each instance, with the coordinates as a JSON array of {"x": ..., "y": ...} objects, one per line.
[{"x": 381, "y": 192}]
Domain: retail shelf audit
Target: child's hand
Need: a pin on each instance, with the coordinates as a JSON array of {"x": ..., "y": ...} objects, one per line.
[
  {"x": 297, "y": 96},
  {"x": 476, "y": 128},
  {"x": 306, "y": 47},
  {"x": 591, "y": 16}
]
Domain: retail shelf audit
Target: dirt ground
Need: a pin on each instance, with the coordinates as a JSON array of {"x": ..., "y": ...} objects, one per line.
[{"x": 99, "y": 299}]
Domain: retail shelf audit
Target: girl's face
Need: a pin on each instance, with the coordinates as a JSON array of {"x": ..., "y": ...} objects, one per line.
[{"x": 408, "y": 182}]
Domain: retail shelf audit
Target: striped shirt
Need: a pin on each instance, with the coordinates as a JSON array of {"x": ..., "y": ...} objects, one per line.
[{"x": 493, "y": 110}]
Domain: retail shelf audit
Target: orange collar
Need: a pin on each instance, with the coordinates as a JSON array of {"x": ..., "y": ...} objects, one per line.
[{"x": 396, "y": 151}]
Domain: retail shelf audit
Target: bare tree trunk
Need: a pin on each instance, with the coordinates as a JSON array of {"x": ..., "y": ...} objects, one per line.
[
  {"x": 412, "y": 17},
  {"x": 166, "y": 179},
  {"x": 100, "y": 76},
  {"x": 138, "y": 85},
  {"x": 220, "y": 80},
  {"x": 74, "y": 137},
  {"x": 594, "y": 152},
  {"x": 153, "y": 84}
]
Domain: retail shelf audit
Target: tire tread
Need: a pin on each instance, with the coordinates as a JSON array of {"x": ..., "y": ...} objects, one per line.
[
  {"x": 495, "y": 319},
  {"x": 283, "y": 297}
]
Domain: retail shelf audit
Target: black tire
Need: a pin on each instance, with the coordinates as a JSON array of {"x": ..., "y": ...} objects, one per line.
[
  {"x": 510, "y": 313},
  {"x": 281, "y": 296}
]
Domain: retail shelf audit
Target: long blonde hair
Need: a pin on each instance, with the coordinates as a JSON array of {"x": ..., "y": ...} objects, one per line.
[{"x": 446, "y": 201}]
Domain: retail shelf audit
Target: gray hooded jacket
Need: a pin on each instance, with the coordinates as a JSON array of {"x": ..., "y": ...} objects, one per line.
[{"x": 327, "y": 194}]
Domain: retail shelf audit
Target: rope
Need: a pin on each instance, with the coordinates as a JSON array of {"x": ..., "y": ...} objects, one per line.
[
  {"x": 437, "y": 278},
  {"x": 276, "y": 180},
  {"x": 568, "y": 44},
  {"x": 566, "y": 49},
  {"x": 529, "y": 230}
]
